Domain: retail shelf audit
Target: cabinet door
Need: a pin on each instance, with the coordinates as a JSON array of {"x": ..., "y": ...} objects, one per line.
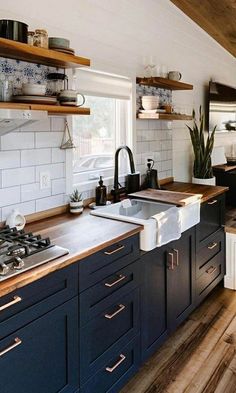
[
  {"x": 42, "y": 356},
  {"x": 154, "y": 307},
  {"x": 180, "y": 278}
]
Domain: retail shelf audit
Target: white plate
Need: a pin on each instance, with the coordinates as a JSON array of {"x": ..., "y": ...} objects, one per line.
[{"x": 36, "y": 99}]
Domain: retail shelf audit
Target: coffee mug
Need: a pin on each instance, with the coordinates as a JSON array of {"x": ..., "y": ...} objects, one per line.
[
  {"x": 71, "y": 97},
  {"x": 174, "y": 75}
]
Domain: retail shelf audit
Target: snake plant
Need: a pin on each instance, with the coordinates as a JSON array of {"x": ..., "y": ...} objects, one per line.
[{"x": 202, "y": 147}]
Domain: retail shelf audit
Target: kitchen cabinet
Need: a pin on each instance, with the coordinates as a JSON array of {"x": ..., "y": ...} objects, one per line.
[{"x": 167, "y": 290}]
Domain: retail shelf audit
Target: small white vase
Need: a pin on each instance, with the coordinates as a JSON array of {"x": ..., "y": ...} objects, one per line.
[
  {"x": 76, "y": 207},
  {"x": 16, "y": 219},
  {"x": 208, "y": 182}
]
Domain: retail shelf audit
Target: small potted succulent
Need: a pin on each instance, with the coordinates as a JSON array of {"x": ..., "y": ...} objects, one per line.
[{"x": 76, "y": 202}]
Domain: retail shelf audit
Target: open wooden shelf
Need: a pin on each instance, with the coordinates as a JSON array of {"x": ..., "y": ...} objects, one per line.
[
  {"x": 164, "y": 116},
  {"x": 18, "y": 50},
  {"x": 164, "y": 83},
  {"x": 51, "y": 109}
]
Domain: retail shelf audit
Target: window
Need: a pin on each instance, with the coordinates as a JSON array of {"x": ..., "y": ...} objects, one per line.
[{"x": 97, "y": 136}]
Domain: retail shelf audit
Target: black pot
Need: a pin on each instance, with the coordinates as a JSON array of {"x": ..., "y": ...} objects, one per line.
[{"x": 13, "y": 30}]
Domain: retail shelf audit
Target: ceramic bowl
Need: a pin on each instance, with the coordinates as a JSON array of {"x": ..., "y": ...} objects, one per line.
[
  {"x": 56, "y": 42},
  {"x": 33, "y": 89},
  {"x": 150, "y": 102}
]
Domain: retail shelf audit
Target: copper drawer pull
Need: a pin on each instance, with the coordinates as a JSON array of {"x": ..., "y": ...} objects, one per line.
[
  {"x": 212, "y": 245},
  {"x": 114, "y": 251},
  {"x": 16, "y": 299},
  {"x": 17, "y": 341},
  {"x": 110, "y": 316},
  {"x": 177, "y": 256},
  {"x": 212, "y": 202},
  {"x": 111, "y": 369},
  {"x": 170, "y": 261},
  {"x": 211, "y": 270},
  {"x": 121, "y": 278}
]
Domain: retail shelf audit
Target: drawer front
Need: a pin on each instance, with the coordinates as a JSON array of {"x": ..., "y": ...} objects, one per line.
[
  {"x": 28, "y": 303},
  {"x": 211, "y": 274},
  {"x": 43, "y": 355},
  {"x": 112, "y": 328},
  {"x": 96, "y": 298},
  {"x": 102, "y": 264},
  {"x": 214, "y": 246},
  {"x": 211, "y": 218},
  {"x": 116, "y": 371}
]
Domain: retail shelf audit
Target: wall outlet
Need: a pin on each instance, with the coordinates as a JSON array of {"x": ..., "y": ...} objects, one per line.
[{"x": 44, "y": 180}]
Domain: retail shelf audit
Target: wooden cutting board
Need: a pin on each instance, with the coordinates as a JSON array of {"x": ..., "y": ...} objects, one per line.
[{"x": 173, "y": 197}]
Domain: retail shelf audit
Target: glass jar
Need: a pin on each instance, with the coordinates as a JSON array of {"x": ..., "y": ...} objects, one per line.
[
  {"x": 56, "y": 83},
  {"x": 30, "y": 37},
  {"x": 6, "y": 90},
  {"x": 41, "y": 38}
]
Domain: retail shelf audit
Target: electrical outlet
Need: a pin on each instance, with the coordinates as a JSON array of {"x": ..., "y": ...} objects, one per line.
[{"x": 45, "y": 180}]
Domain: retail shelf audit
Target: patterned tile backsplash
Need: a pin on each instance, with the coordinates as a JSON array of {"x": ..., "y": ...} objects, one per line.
[
  {"x": 164, "y": 95},
  {"x": 19, "y": 72}
]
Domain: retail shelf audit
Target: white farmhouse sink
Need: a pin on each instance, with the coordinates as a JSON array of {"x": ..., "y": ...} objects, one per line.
[{"x": 141, "y": 212}]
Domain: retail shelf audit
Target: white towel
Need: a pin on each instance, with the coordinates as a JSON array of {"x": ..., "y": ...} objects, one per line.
[{"x": 168, "y": 226}]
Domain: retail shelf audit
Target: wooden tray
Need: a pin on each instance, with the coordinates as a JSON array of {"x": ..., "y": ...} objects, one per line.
[{"x": 175, "y": 198}]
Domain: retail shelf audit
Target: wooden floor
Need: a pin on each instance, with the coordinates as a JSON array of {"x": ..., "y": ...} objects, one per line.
[{"x": 200, "y": 357}]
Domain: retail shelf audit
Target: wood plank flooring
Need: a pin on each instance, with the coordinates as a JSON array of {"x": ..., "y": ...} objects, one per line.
[{"x": 200, "y": 357}]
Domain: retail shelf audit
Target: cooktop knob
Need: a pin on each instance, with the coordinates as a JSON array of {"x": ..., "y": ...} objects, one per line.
[
  {"x": 18, "y": 263},
  {"x": 4, "y": 269}
]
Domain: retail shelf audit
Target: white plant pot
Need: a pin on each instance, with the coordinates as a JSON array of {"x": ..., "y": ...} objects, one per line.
[
  {"x": 209, "y": 182},
  {"x": 76, "y": 207}
]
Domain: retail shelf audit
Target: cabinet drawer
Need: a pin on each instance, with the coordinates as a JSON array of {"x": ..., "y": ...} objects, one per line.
[
  {"x": 42, "y": 356},
  {"x": 112, "y": 328},
  {"x": 28, "y": 303},
  {"x": 117, "y": 370},
  {"x": 211, "y": 218},
  {"x": 102, "y": 264},
  {"x": 214, "y": 246},
  {"x": 96, "y": 298},
  {"x": 211, "y": 274}
]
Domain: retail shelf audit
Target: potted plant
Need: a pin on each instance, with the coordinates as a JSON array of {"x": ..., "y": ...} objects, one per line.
[
  {"x": 76, "y": 202},
  {"x": 202, "y": 149}
]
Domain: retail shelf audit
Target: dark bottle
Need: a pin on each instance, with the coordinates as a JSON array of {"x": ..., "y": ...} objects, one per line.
[
  {"x": 151, "y": 178},
  {"x": 101, "y": 193}
]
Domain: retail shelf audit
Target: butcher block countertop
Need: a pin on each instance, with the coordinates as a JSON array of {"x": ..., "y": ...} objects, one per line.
[{"x": 82, "y": 235}]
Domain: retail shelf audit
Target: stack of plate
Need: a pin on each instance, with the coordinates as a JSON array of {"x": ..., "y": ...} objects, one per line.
[
  {"x": 36, "y": 99},
  {"x": 60, "y": 45}
]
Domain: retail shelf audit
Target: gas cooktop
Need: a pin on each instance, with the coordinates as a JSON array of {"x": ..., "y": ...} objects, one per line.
[{"x": 20, "y": 251}]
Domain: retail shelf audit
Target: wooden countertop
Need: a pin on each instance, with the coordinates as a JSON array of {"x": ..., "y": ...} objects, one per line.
[
  {"x": 224, "y": 167},
  {"x": 207, "y": 192},
  {"x": 81, "y": 235}
]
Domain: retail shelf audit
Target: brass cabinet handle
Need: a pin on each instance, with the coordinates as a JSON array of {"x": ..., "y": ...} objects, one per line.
[
  {"x": 121, "y": 278},
  {"x": 177, "y": 256},
  {"x": 170, "y": 261},
  {"x": 212, "y": 202},
  {"x": 110, "y": 316},
  {"x": 211, "y": 270},
  {"x": 114, "y": 251},
  {"x": 111, "y": 369},
  {"x": 212, "y": 245},
  {"x": 16, "y": 299},
  {"x": 17, "y": 341}
]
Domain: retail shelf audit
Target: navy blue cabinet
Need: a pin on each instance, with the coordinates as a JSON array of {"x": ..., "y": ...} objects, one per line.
[{"x": 43, "y": 355}]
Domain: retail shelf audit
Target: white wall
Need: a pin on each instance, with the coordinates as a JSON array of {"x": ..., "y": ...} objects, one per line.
[{"x": 117, "y": 34}]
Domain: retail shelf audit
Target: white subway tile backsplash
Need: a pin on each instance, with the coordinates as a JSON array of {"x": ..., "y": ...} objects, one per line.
[
  {"x": 32, "y": 191},
  {"x": 35, "y": 157},
  {"x": 58, "y": 155},
  {"x": 43, "y": 125},
  {"x": 48, "y": 139},
  {"x": 142, "y": 124},
  {"x": 23, "y": 208},
  {"x": 58, "y": 123},
  {"x": 9, "y": 159},
  {"x": 17, "y": 141},
  {"x": 58, "y": 186},
  {"x": 49, "y": 203},
  {"x": 9, "y": 196},
  {"x": 18, "y": 176},
  {"x": 56, "y": 170}
]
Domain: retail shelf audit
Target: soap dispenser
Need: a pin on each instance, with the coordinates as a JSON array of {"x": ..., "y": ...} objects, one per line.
[
  {"x": 101, "y": 193},
  {"x": 151, "y": 179}
]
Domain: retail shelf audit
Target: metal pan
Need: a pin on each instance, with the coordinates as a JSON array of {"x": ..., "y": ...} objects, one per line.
[{"x": 13, "y": 30}]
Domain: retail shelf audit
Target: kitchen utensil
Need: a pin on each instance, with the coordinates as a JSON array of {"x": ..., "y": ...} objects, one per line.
[
  {"x": 174, "y": 75},
  {"x": 36, "y": 99},
  {"x": 6, "y": 90},
  {"x": 13, "y": 30},
  {"x": 56, "y": 83},
  {"x": 71, "y": 98},
  {"x": 33, "y": 89},
  {"x": 56, "y": 42}
]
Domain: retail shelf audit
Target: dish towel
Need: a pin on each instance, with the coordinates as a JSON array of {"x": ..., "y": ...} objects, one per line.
[{"x": 168, "y": 226}]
